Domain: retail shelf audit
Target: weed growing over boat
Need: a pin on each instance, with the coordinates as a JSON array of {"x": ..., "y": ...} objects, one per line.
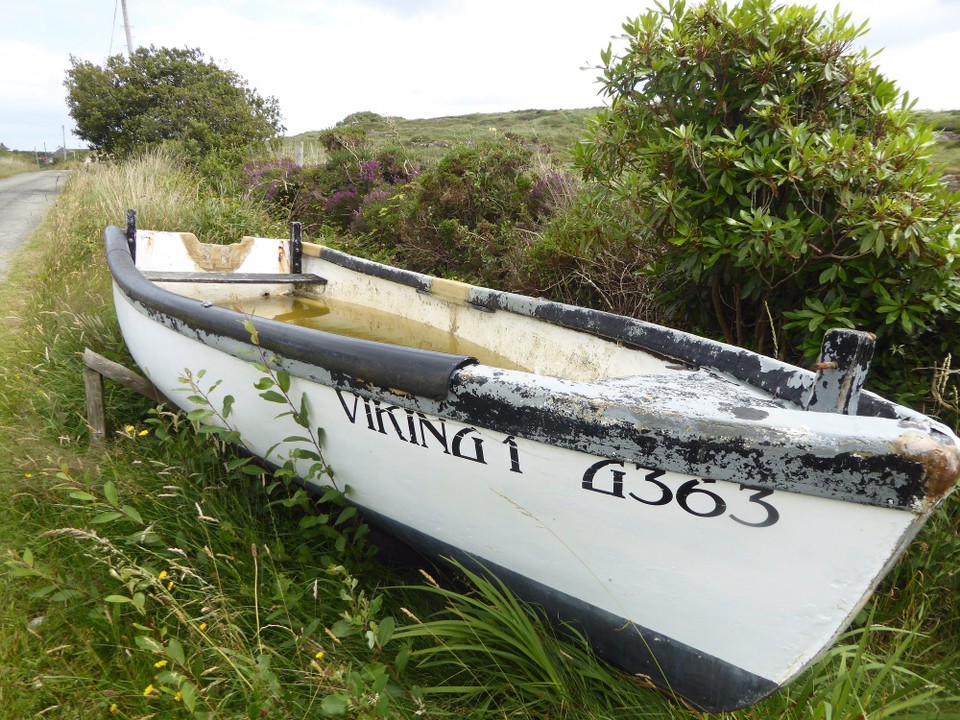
[
  {"x": 327, "y": 519},
  {"x": 303, "y": 461},
  {"x": 493, "y": 648},
  {"x": 274, "y": 387}
]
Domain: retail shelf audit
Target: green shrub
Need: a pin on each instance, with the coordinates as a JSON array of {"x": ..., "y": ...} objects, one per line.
[
  {"x": 343, "y": 138},
  {"x": 472, "y": 215},
  {"x": 587, "y": 255},
  {"x": 328, "y": 198},
  {"x": 467, "y": 215},
  {"x": 154, "y": 95},
  {"x": 357, "y": 118}
]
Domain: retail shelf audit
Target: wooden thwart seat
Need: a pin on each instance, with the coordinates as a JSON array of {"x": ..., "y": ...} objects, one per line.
[{"x": 235, "y": 278}]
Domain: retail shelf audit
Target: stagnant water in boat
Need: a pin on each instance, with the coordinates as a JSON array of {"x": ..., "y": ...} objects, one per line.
[{"x": 359, "y": 321}]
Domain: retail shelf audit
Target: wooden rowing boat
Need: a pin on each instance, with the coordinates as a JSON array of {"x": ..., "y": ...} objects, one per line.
[{"x": 708, "y": 517}]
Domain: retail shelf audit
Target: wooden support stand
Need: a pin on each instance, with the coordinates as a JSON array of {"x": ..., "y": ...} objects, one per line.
[{"x": 96, "y": 368}]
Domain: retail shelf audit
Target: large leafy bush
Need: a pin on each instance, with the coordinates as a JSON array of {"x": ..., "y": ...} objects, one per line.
[
  {"x": 782, "y": 182},
  {"x": 158, "y": 95},
  {"x": 465, "y": 214}
]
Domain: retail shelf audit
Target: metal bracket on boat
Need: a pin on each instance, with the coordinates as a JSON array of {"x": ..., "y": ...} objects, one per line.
[
  {"x": 844, "y": 361},
  {"x": 131, "y": 233},
  {"x": 296, "y": 248}
]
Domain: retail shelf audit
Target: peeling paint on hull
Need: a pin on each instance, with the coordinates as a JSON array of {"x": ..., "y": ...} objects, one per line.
[{"x": 676, "y": 502}]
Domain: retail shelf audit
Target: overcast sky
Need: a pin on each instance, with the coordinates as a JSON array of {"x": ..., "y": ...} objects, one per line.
[{"x": 324, "y": 59}]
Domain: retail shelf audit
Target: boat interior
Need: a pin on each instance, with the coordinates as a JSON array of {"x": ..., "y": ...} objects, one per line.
[{"x": 331, "y": 297}]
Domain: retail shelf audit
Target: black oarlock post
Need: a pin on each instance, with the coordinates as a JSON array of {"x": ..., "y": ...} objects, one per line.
[
  {"x": 844, "y": 362},
  {"x": 132, "y": 233},
  {"x": 296, "y": 248}
]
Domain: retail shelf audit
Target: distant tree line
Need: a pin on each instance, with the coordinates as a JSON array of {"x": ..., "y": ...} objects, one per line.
[{"x": 159, "y": 95}]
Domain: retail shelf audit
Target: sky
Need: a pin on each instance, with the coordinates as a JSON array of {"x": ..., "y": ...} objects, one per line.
[{"x": 325, "y": 59}]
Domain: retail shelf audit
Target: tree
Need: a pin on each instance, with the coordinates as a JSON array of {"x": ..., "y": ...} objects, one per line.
[
  {"x": 783, "y": 183},
  {"x": 162, "y": 94}
]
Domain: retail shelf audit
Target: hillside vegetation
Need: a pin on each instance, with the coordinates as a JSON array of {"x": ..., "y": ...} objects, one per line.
[
  {"x": 558, "y": 129},
  {"x": 947, "y": 152},
  {"x": 428, "y": 138}
]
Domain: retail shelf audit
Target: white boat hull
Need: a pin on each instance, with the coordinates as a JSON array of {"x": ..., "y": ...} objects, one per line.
[{"x": 716, "y": 588}]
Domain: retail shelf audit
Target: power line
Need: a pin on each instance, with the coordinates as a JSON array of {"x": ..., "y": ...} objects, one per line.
[{"x": 113, "y": 28}]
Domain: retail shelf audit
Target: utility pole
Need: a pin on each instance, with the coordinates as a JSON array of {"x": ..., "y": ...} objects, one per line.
[{"x": 126, "y": 28}]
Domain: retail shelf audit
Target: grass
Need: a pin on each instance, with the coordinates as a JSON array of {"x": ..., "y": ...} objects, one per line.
[
  {"x": 947, "y": 158},
  {"x": 164, "y": 575},
  {"x": 11, "y": 165},
  {"x": 946, "y": 155}
]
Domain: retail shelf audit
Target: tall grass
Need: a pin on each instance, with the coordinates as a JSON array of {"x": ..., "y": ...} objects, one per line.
[
  {"x": 14, "y": 165},
  {"x": 164, "y": 575}
]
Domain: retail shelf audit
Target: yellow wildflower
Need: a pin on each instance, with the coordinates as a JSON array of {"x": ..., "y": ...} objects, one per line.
[
  {"x": 319, "y": 655},
  {"x": 143, "y": 432},
  {"x": 163, "y": 575},
  {"x": 113, "y": 708},
  {"x": 178, "y": 697},
  {"x": 159, "y": 664},
  {"x": 27, "y": 476},
  {"x": 148, "y": 690},
  {"x": 170, "y": 586},
  {"x": 129, "y": 428},
  {"x": 202, "y": 626}
]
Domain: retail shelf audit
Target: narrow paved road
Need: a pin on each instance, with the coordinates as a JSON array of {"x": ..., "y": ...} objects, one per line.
[{"x": 24, "y": 200}]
